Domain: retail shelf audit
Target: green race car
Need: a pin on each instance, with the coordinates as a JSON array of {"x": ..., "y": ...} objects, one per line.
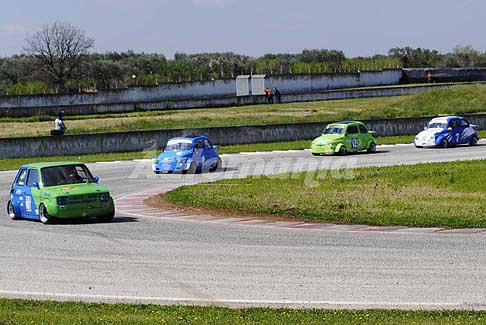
[
  {"x": 343, "y": 137},
  {"x": 63, "y": 190}
]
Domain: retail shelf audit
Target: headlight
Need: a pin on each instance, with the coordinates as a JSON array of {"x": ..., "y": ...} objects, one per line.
[
  {"x": 62, "y": 201},
  {"x": 181, "y": 160},
  {"x": 155, "y": 161},
  {"x": 105, "y": 197}
]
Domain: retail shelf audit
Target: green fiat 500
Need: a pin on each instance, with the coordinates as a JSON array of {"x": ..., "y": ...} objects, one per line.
[
  {"x": 342, "y": 138},
  {"x": 63, "y": 190}
]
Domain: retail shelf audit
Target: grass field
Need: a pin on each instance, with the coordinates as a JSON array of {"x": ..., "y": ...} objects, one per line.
[
  {"x": 458, "y": 100},
  {"x": 31, "y": 312},
  {"x": 427, "y": 195}
]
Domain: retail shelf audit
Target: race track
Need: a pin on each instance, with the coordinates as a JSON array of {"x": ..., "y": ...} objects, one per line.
[{"x": 163, "y": 261}]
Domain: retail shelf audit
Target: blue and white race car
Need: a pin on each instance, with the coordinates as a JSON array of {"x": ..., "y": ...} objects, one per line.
[
  {"x": 447, "y": 131},
  {"x": 188, "y": 155}
]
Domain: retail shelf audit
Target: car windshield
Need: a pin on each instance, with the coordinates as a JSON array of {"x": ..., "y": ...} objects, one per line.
[
  {"x": 334, "y": 130},
  {"x": 69, "y": 174},
  {"x": 437, "y": 125},
  {"x": 178, "y": 145}
]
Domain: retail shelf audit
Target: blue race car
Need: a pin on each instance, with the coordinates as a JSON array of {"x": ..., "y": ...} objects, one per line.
[
  {"x": 188, "y": 155},
  {"x": 447, "y": 131}
]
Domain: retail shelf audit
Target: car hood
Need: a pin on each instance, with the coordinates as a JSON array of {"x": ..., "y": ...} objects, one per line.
[
  {"x": 175, "y": 154},
  {"x": 430, "y": 132},
  {"x": 328, "y": 138},
  {"x": 74, "y": 189}
]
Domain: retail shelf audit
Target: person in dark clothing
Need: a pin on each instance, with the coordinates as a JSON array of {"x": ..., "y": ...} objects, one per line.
[
  {"x": 269, "y": 95},
  {"x": 278, "y": 96},
  {"x": 60, "y": 127}
]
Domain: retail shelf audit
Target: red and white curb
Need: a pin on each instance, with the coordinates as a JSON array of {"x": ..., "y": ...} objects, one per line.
[{"x": 133, "y": 205}]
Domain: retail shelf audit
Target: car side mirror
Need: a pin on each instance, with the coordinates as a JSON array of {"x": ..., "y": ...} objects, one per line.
[
  {"x": 97, "y": 179},
  {"x": 36, "y": 184},
  {"x": 425, "y": 128}
]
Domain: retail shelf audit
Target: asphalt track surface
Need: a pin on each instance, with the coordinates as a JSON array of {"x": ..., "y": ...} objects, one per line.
[{"x": 150, "y": 260}]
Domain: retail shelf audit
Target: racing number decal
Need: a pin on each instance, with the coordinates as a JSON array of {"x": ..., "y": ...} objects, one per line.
[{"x": 355, "y": 143}]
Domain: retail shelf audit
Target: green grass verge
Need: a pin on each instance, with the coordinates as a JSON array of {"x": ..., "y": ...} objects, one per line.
[
  {"x": 426, "y": 195},
  {"x": 32, "y": 312},
  {"x": 459, "y": 100}
]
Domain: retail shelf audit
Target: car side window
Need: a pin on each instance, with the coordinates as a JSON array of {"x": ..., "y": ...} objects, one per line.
[
  {"x": 454, "y": 124},
  {"x": 362, "y": 129},
  {"x": 352, "y": 130},
  {"x": 207, "y": 144},
  {"x": 198, "y": 145},
  {"x": 33, "y": 177},
  {"x": 22, "y": 177},
  {"x": 464, "y": 124}
]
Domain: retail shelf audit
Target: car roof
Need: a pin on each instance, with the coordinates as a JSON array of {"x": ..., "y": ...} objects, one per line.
[
  {"x": 445, "y": 119},
  {"x": 51, "y": 164},
  {"x": 347, "y": 123},
  {"x": 191, "y": 138}
]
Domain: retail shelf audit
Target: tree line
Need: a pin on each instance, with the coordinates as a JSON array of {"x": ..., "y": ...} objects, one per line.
[{"x": 57, "y": 59}]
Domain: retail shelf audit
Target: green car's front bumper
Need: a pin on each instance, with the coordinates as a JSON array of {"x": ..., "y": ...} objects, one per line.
[
  {"x": 84, "y": 210},
  {"x": 323, "y": 149}
]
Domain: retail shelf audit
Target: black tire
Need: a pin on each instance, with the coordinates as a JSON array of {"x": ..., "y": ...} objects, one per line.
[
  {"x": 444, "y": 143},
  {"x": 107, "y": 217},
  {"x": 474, "y": 141},
  {"x": 11, "y": 211},
  {"x": 372, "y": 148},
  {"x": 343, "y": 151},
  {"x": 418, "y": 147},
  {"x": 218, "y": 166},
  {"x": 315, "y": 154},
  {"x": 192, "y": 168},
  {"x": 44, "y": 216}
]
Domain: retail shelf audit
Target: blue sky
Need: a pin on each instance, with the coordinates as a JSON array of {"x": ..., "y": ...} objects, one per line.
[{"x": 252, "y": 27}]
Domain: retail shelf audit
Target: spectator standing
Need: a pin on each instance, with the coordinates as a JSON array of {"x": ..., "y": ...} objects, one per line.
[
  {"x": 278, "y": 95},
  {"x": 269, "y": 95},
  {"x": 429, "y": 77}
]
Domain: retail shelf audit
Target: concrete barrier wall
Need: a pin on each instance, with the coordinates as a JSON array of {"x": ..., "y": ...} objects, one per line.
[
  {"x": 318, "y": 82},
  {"x": 197, "y": 90},
  {"x": 214, "y": 102},
  {"x": 143, "y": 140},
  {"x": 444, "y": 74}
]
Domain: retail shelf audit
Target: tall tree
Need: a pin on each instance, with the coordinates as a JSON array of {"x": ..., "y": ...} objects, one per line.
[{"x": 59, "y": 49}]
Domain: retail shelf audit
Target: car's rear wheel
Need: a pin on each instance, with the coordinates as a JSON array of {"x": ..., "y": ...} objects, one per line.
[
  {"x": 218, "y": 165},
  {"x": 44, "y": 216},
  {"x": 372, "y": 148},
  {"x": 444, "y": 143},
  {"x": 343, "y": 151},
  {"x": 474, "y": 141},
  {"x": 11, "y": 211},
  {"x": 107, "y": 217}
]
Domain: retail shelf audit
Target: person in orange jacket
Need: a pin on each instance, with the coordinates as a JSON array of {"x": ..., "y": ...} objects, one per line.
[{"x": 269, "y": 95}]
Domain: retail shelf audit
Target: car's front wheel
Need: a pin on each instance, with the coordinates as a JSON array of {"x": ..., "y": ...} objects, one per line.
[
  {"x": 44, "y": 216},
  {"x": 107, "y": 217},
  {"x": 11, "y": 211},
  {"x": 192, "y": 168},
  {"x": 343, "y": 151},
  {"x": 474, "y": 141},
  {"x": 444, "y": 143}
]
